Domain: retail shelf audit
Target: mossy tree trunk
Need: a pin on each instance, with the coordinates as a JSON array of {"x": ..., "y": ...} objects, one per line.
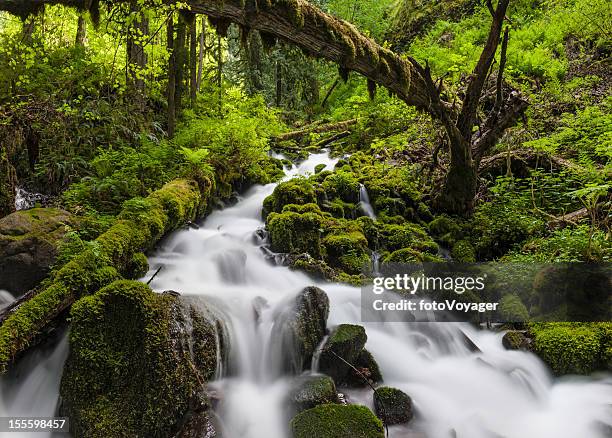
[
  {"x": 81, "y": 35},
  {"x": 137, "y": 32},
  {"x": 171, "y": 85},
  {"x": 8, "y": 180}
]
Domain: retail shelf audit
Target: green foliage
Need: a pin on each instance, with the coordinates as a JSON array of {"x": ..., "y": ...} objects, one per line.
[
  {"x": 512, "y": 309},
  {"x": 572, "y": 348},
  {"x": 333, "y": 420}
]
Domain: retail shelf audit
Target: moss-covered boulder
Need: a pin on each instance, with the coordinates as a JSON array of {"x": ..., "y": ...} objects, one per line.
[
  {"x": 337, "y": 421},
  {"x": 316, "y": 268},
  {"x": 302, "y": 328},
  {"x": 445, "y": 230},
  {"x": 574, "y": 348},
  {"x": 310, "y": 391},
  {"x": 347, "y": 251},
  {"x": 392, "y": 406},
  {"x": 394, "y": 236},
  {"x": 463, "y": 251},
  {"x": 295, "y": 191},
  {"x": 369, "y": 371},
  {"x": 345, "y": 343},
  {"x": 516, "y": 340},
  {"x": 137, "y": 267},
  {"x": 29, "y": 244},
  {"x": 292, "y": 232},
  {"x": 342, "y": 185},
  {"x": 138, "y": 362}
]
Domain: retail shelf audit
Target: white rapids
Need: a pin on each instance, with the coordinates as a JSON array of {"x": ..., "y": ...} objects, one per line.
[{"x": 456, "y": 392}]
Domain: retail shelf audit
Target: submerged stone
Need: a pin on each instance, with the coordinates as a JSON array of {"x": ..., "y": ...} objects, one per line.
[
  {"x": 392, "y": 405},
  {"x": 344, "y": 344},
  {"x": 311, "y": 391}
]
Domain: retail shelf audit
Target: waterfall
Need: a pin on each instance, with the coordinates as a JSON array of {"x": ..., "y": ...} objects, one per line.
[
  {"x": 456, "y": 391},
  {"x": 364, "y": 202}
]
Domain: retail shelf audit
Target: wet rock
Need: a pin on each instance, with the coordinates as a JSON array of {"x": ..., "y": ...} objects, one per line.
[
  {"x": 200, "y": 425},
  {"x": 145, "y": 359},
  {"x": 337, "y": 421},
  {"x": 517, "y": 340},
  {"x": 304, "y": 326},
  {"x": 311, "y": 391},
  {"x": 29, "y": 242},
  {"x": 344, "y": 344},
  {"x": 368, "y": 369},
  {"x": 392, "y": 406}
]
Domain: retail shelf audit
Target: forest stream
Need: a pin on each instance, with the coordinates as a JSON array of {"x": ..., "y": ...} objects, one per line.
[{"x": 456, "y": 390}]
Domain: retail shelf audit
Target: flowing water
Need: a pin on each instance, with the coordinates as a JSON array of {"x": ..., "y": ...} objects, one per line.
[
  {"x": 457, "y": 392},
  {"x": 364, "y": 202}
]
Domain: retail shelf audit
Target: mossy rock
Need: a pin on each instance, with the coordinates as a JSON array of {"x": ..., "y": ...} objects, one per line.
[
  {"x": 342, "y": 185},
  {"x": 296, "y": 233},
  {"x": 392, "y": 406},
  {"x": 303, "y": 327},
  {"x": 316, "y": 268},
  {"x": 346, "y": 341},
  {"x": 463, "y": 251},
  {"x": 347, "y": 251},
  {"x": 337, "y": 421},
  {"x": 131, "y": 371},
  {"x": 573, "y": 348},
  {"x": 516, "y": 340},
  {"x": 311, "y": 391},
  {"x": 445, "y": 230},
  {"x": 406, "y": 235},
  {"x": 391, "y": 206},
  {"x": 30, "y": 241},
  {"x": 368, "y": 369},
  {"x": 404, "y": 255},
  {"x": 319, "y": 167},
  {"x": 295, "y": 191},
  {"x": 340, "y": 209}
]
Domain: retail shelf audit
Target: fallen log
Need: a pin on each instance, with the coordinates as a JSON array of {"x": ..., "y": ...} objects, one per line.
[
  {"x": 317, "y": 129},
  {"x": 141, "y": 224}
]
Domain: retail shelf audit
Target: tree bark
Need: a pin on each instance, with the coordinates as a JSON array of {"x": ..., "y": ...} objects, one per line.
[
  {"x": 201, "y": 54},
  {"x": 279, "y": 83},
  {"x": 171, "y": 86},
  {"x": 136, "y": 55},
  {"x": 180, "y": 52},
  {"x": 81, "y": 34},
  {"x": 193, "y": 60}
]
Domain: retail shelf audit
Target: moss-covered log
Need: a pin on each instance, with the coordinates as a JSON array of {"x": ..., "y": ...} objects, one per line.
[
  {"x": 303, "y": 24},
  {"x": 142, "y": 222}
]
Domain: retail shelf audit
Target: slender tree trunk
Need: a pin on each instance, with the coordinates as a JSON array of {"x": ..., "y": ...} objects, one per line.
[
  {"x": 181, "y": 61},
  {"x": 220, "y": 72},
  {"x": 29, "y": 26},
  {"x": 137, "y": 57},
  {"x": 201, "y": 53},
  {"x": 8, "y": 180},
  {"x": 279, "y": 84},
  {"x": 81, "y": 34},
  {"x": 171, "y": 90},
  {"x": 193, "y": 61}
]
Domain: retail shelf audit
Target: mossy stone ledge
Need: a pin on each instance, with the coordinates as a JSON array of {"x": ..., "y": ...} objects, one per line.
[
  {"x": 138, "y": 362},
  {"x": 142, "y": 222}
]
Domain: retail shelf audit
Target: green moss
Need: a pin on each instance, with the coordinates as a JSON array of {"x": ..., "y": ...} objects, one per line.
[
  {"x": 337, "y": 421},
  {"x": 445, "y": 230},
  {"x": 348, "y": 251},
  {"x": 463, "y": 251},
  {"x": 512, "y": 309},
  {"x": 311, "y": 391},
  {"x": 346, "y": 341},
  {"x": 391, "y": 206},
  {"x": 392, "y": 405},
  {"x": 137, "y": 267},
  {"x": 295, "y": 191},
  {"x": 292, "y": 232},
  {"x": 573, "y": 348},
  {"x": 407, "y": 235},
  {"x": 404, "y": 255},
  {"x": 142, "y": 223},
  {"x": 341, "y": 185},
  {"x": 319, "y": 167},
  {"x": 128, "y": 373}
]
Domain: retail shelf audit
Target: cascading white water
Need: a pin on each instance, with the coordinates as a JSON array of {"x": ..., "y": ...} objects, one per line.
[
  {"x": 364, "y": 202},
  {"x": 483, "y": 394},
  {"x": 456, "y": 392},
  {"x": 6, "y": 298}
]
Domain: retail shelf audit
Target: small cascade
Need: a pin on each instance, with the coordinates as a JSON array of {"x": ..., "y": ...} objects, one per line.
[
  {"x": 375, "y": 263},
  {"x": 364, "y": 202},
  {"x": 6, "y": 298},
  {"x": 25, "y": 200}
]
